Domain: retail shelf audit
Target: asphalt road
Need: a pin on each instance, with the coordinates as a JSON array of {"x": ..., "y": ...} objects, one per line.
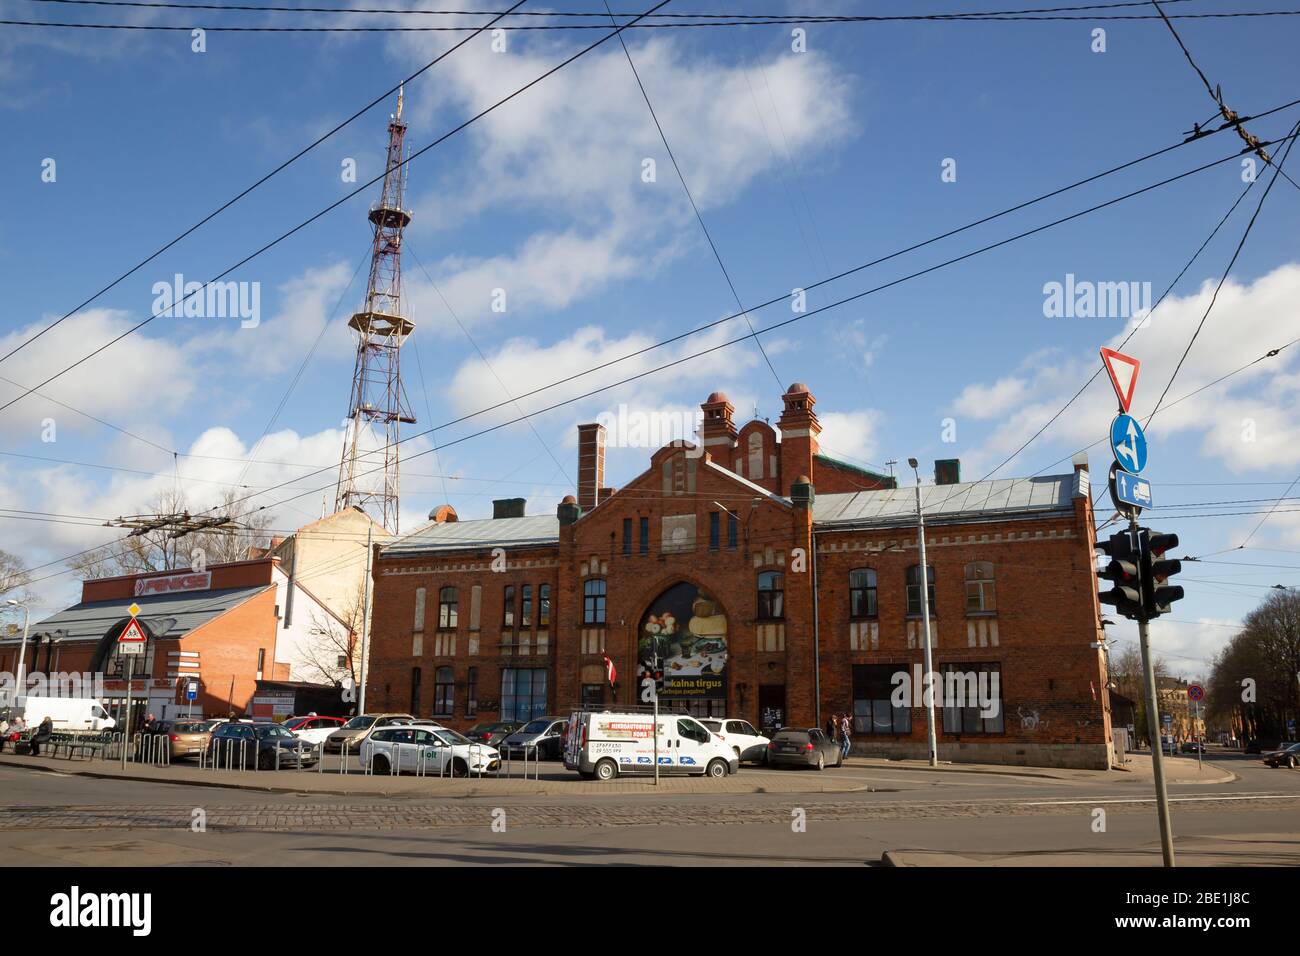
[{"x": 49, "y": 818}]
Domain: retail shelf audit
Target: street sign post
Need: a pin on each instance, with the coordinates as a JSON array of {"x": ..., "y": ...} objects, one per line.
[
  {"x": 1128, "y": 443},
  {"x": 131, "y": 643},
  {"x": 191, "y": 693},
  {"x": 1196, "y": 694},
  {"x": 1123, "y": 372},
  {"x": 1129, "y": 492}
]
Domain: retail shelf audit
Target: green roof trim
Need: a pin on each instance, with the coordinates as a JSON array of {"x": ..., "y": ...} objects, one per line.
[{"x": 886, "y": 480}]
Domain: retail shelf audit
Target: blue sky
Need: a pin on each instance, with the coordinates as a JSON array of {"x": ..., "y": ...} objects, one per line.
[{"x": 802, "y": 164}]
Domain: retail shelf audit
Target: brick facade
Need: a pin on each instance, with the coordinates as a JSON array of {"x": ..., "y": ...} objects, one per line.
[{"x": 1039, "y": 628}]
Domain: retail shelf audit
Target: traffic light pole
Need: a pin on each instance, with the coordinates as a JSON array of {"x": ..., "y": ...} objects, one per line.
[{"x": 1153, "y": 728}]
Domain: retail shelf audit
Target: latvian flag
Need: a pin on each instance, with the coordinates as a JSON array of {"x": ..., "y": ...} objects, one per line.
[{"x": 610, "y": 671}]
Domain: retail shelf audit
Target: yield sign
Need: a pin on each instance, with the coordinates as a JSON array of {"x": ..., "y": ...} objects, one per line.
[
  {"x": 133, "y": 634},
  {"x": 1123, "y": 372}
]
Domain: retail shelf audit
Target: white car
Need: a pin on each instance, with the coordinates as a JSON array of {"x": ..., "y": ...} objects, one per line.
[
  {"x": 428, "y": 750},
  {"x": 313, "y": 729},
  {"x": 745, "y": 742}
]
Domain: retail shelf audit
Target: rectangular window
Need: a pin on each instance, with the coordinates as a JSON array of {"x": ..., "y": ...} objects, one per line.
[
  {"x": 523, "y": 693},
  {"x": 627, "y": 535},
  {"x": 448, "y": 607},
  {"x": 261, "y": 661},
  {"x": 981, "y": 598},
  {"x": 862, "y": 593},
  {"x": 544, "y": 606},
  {"x": 471, "y": 693},
  {"x": 873, "y": 709},
  {"x": 444, "y": 692},
  {"x": 731, "y": 531},
  {"x": 593, "y": 601},
  {"x": 526, "y": 606},
  {"x": 643, "y": 543},
  {"x": 914, "y": 589},
  {"x": 508, "y": 607},
  {"x": 965, "y": 692},
  {"x": 593, "y": 696},
  {"x": 715, "y": 530}
]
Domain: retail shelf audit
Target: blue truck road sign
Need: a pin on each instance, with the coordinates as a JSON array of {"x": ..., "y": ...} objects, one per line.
[
  {"x": 1128, "y": 443},
  {"x": 1131, "y": 490}
]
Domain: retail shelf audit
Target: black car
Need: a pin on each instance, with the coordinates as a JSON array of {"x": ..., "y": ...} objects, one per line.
[
  {"x": 1287, "y": 755},
  {"x": 254, "y": 746},
  {"x": 796, "y": 747},
  {"x": 542, "y": 738},
  {"x": 493, "y": 733}
]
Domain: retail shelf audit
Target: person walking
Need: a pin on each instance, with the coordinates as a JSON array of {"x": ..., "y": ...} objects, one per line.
[
  {"x": 846, "y": 732},
  {"x": 832, "y": 726},
  {"x": 42, "y": 736}
]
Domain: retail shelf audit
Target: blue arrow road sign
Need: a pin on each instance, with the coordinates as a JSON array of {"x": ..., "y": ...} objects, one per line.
[
  {"x": 1128, "y": 443},
  {"x": 1132, "y": 490}
]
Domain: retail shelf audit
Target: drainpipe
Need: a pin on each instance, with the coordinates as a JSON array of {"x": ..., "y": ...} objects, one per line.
[{"x": 817, "y": 647}]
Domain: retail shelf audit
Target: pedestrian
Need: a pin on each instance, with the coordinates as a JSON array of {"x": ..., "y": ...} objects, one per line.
[
  {"x": 42, "y": 736},
  {"x": 832, "y": 726},
  {"x": 4, "y": 732},
  {"x": 846, "y": 731}
]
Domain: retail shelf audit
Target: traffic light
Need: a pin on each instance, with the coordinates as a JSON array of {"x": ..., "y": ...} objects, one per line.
[
  {"x": 1157, "y": 592},
  {"x": 1123, "y": 570}
]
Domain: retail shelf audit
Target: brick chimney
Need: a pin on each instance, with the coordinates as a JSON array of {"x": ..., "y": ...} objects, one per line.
[
  {"x": 799, "y": 430},
  {"x": 718, "y": 432},
  {"x": 947, "y": 471},
  {"x": 591, "y": 464}
]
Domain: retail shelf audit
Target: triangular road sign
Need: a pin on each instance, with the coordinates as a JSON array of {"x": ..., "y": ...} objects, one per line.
[
  {"x": 1123, "y": 372},
  {"x": 133, "y": 634}
]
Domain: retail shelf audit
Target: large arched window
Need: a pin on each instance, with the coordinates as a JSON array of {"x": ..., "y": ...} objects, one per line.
[
  {"x": 444, "y": 692},
  {"x": 914, "y": 589},
  {"x": 862, "y": 593},
  {"x": 980, "y": 592},
  {"x": 448, "y": 602},
  {"x": 593, "y": 601},
  {"x": 771, "y": 596}
]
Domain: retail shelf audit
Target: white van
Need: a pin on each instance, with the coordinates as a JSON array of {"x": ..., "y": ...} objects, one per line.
[
  {"x": 604, "y": 745},
  {"x": 67, "y": 713}
]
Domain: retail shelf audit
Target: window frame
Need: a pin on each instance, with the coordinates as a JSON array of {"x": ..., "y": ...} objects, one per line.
[
  {"x": 448, "y": 610},
  {"x": 508, "y": 608},
  {"x": 770, "y": 599},
  {"x": 872, "y": 590},
  {"x": 985, "y": 585},
  {"x": 444, "y": 691},
  {"x": 914, "y": 569},
  {"x": 594, "y": 602}
]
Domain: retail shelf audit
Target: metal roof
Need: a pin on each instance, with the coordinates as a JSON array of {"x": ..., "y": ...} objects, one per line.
[
  {"x": 478, "y": 534},
  {"x": 91, "y": 620},
  {"x": 973, "y": 500}
]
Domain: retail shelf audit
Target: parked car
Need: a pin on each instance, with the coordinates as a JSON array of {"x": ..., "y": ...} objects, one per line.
[
  {"x": 1192, "y": 747},
  {"x": 793, "y": 747},
  {"x": 255, "y": 745},
  {"x": 315, "y": 729},
  {"x": 544, "y": 734},
  {"x": 493, "y": 733},
  {"x": 604, "y": 745},
  {"x": 1287, "y": 755},
  {"x": 358, "y": 728},
  {"x": 188, "y": 738},
  {"x": 745, "y": 742},
  {"x": 433, "y": 750}
]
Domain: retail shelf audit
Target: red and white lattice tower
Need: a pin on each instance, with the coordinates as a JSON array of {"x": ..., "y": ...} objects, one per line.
[{"x": 378, "y": 405}]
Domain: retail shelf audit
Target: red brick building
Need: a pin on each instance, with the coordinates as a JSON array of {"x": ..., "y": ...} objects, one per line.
[
  {"x": 226, "y": 628},
  {"x": 775, "y": 584}
]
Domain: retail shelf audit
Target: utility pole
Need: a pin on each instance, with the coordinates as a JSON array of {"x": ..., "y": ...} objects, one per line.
[
  {"x": 928, "y": 678},
  {"x": 1153, "y": 727},
  {"x": 365, "y": 619}
]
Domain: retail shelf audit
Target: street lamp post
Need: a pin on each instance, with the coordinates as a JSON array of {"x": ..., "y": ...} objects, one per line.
[
  {"x": 22, "y": 650},
  {"x": 928, "y": 679}
]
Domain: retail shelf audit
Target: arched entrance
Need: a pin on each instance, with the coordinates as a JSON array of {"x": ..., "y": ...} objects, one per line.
[{"x": 684, "y": 633}]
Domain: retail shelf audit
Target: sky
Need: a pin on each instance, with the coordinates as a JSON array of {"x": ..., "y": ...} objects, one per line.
[{"x": 805, "y": 154}]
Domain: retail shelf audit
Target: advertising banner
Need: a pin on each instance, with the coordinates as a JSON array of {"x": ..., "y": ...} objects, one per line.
[{"x": 687, "y": 631}]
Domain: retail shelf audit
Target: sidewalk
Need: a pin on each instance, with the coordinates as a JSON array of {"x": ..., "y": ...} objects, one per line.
[
  {"x": 1180, "y": 770},
  {"x": 556, "y": 781},
  {"x": 1237, "y": 849}
]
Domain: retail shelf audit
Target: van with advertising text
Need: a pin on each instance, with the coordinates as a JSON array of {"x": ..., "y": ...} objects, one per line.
[{"x": 601, "y": 746}]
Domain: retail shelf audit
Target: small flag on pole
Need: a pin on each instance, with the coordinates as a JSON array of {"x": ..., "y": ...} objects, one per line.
[{"x": 610, "y": 671}]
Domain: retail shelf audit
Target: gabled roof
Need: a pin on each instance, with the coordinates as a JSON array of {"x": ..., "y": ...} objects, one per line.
[
  {"x": 91, "y": 620},
  {"x": 975, "y": 500},
  {"x": 476, "y": 535}
]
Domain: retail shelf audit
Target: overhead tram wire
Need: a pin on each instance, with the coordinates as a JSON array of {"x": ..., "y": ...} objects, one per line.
[
  {"x": 332, "y": 206},
  {"x": 834, "y": 278},
  {"x": 230, "y": 202},
  {"x": 694, "y": 208},
  {"x": 412, "y": 11},
  {"x": 802, "y": 316}
]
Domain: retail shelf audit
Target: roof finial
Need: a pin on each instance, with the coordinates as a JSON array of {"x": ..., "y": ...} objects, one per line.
[{"x": 399, "y": 102}]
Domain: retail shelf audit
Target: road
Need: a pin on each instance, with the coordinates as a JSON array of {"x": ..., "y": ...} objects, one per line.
[{"x": 53, "y": 818}]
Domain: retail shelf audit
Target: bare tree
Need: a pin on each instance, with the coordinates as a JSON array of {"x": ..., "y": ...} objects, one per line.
[
  {"x": 15, "y": 582},
  {"x": 1254, "y": 687},
  {"x": 333, "y": 654}
]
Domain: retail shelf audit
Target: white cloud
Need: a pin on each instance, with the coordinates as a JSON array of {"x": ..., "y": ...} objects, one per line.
[{"x": 850, "y": 434}]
